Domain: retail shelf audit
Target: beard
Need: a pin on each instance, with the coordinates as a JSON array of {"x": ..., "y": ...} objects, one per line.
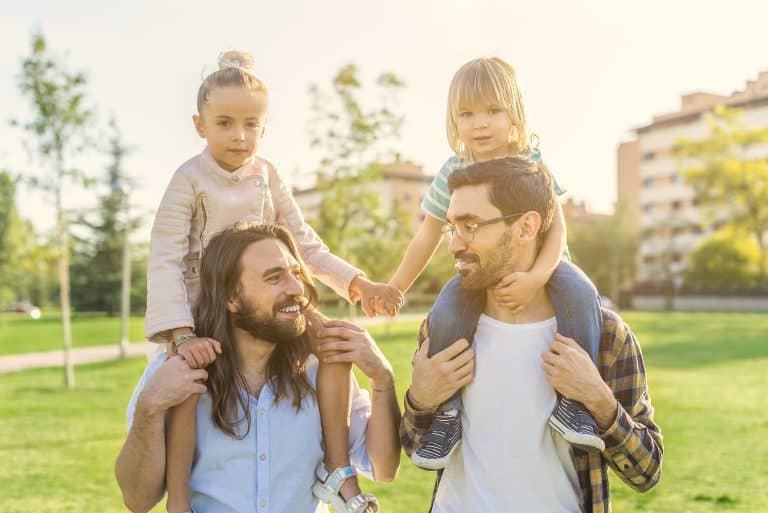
[
  {"x": 484, "y": 275},
  {"x": 266, "y": 325}
]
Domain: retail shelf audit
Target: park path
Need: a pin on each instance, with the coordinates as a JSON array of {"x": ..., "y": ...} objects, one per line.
[{"x": 81, "y": 355}]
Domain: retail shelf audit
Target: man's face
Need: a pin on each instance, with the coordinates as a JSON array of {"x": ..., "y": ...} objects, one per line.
[
  {"x": 271, "y": 299},
  {"x": 487, "y": 258}
]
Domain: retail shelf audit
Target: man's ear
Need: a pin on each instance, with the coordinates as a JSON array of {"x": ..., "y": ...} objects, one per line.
[
  {"x": 530, "y": 224},
  {"x": 199, "y": 127},
  {"x": 233, "y": 305}
]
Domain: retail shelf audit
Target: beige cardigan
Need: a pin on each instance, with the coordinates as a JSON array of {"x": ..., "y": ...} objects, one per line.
[{"x": 204, "y": 199}]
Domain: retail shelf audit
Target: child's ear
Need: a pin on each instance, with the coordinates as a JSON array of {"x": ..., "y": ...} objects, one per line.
[{"x": 199, "y": 127}]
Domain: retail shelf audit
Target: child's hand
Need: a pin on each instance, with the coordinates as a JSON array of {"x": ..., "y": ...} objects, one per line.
[
  {"x": 381, "y": 299},
  {"x": 380, "y": 306},
  {"x": 199, "y": 352},
  {"x": 388, "y": 297},
  {"x": 516, "y": 290}
]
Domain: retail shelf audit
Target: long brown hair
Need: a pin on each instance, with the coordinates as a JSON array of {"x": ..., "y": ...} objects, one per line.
[{"x": 220, "y": 272}]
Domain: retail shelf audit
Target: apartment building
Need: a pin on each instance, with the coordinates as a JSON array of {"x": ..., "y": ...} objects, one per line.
[{"x": 662, "y": 210}]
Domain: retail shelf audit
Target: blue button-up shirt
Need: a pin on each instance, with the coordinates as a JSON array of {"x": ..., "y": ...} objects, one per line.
[{"x": 271, "y": 470}]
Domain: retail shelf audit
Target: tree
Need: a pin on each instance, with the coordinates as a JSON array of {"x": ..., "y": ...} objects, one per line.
[
  {"x": 98, "y": 264},
  {"x": 726, "y": 179},
  {"x": 724, "y": 260},
  {"x": 604, "y": 250},
  {"x": 353, "y": 141},
  {"x": 57, "y": 133}
]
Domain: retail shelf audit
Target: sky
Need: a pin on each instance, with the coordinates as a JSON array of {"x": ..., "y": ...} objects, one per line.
[{"x": 590, "y": 72}]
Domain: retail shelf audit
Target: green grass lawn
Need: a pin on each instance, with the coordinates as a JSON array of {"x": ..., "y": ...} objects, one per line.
[
  {"x": 707, "y": 375},
  {"x": 22, "y": 334}
]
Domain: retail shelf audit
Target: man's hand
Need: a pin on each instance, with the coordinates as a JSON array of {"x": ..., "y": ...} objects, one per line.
[
  {"x": 434, "y": 380},
  {"x": 172, "y": 383},
  {"x": 515, "y": 290},
  {"x": 342, "y": 341},
  {"x": 570, "y": 370}
]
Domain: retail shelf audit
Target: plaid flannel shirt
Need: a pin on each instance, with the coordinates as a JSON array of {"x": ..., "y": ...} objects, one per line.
[{"x": 633, "y": 443}]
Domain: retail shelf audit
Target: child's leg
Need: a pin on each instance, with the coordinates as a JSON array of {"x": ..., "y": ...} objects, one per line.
[
  {"x": 334, "y": 398},
  {"x": 577, "y": 307},
  {"x": 180, "y": 441},
  {"x": 453, "y": 316}
]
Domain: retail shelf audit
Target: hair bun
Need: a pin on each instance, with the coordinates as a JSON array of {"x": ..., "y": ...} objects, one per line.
[{"x": 236, "y": 59}]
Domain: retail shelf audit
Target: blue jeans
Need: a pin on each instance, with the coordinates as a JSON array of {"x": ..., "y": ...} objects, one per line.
[{"x": 577, "y": 309}]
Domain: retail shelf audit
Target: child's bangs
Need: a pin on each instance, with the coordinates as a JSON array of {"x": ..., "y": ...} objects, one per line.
[{"x": 479, "y": 85}]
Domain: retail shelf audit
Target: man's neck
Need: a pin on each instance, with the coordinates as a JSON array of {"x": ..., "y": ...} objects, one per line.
[
  {"x": 254, "y": 356},
  {"x": 538, "y": 309}
]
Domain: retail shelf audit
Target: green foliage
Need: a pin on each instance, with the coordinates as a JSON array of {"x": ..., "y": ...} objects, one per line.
[
  {"x": 352, "y": 141},
  {"x": 727, "y": 182},
  {"x": 24, "y": 262},
  {"x": 604, "y": 250},
  {"x": 725, "y": 259},
  {"x": 98, "y": 261}
]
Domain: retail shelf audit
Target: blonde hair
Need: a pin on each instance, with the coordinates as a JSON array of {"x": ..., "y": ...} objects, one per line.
[
  {"x": 234, "y": 71},
  {"x": 488, "y": 80}
]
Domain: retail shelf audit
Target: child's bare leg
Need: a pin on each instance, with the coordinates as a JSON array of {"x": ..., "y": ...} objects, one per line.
[
  {"x": 180, "y": 441},
  {"x": 333, "y": 395}
]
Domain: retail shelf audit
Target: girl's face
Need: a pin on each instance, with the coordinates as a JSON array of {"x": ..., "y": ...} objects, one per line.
[
  {"x": 485, "y": 129},
  {"x": 232, "y": 122}
]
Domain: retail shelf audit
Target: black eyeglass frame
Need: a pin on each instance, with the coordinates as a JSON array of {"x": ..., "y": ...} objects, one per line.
[{"x": 449, "y": 229}]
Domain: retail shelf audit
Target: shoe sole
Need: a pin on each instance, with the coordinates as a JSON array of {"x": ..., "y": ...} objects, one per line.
[
  {"x": 586, "y": 443},
  {"x": 433, "y": 464}
]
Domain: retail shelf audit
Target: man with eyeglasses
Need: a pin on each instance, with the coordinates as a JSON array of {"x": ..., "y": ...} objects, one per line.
[{"x": 509, "y": 459}]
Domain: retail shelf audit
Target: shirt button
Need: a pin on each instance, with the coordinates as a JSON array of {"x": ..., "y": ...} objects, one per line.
[
  {"x": 263, "y": 503},
  {"x": 263, "y": 456},
  {"x": 262, "y": 411}
]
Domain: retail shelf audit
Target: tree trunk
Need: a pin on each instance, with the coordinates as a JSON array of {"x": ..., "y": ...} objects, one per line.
[
  {"x": 125, "y": 297},
  {"x": 69, "y": 371}
]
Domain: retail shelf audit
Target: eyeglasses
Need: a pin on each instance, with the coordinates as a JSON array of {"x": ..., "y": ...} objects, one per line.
[{"x": 467, "y": 230}]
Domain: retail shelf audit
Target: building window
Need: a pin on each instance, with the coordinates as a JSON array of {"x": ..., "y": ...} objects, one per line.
[
  {"x": 677, "y": 258},
  {"x": 648, "y": 182},
  {"x": 648, "y": 260},
  {"x": 648, "y": 207},
  {"x": 674, "y": 178},
  {"x": 695, "y": 202},
  {"x": 676, "y": 205},
  {"x": 696, "y": 229},
  {"x": 649, "y": 155}
]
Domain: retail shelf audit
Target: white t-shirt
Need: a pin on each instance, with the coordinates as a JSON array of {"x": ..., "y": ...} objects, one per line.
[{"x": 509, "y": 459}]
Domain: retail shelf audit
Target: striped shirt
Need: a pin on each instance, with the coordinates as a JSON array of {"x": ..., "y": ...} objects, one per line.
[
  {"x": 633, "y": 443},
  {"x": 438, "y": 196}
]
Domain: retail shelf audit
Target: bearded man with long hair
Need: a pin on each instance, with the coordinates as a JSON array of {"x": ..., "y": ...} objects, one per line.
[{"x": 259, "y": 436}]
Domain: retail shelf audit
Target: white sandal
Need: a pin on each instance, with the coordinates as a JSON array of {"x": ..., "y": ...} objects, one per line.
[{"x": 327, "y": 487}]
